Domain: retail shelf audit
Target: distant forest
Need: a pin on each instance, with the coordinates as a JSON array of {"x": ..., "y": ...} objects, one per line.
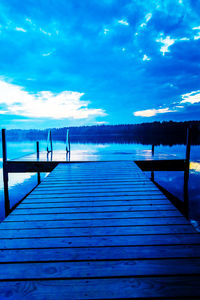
[{"x": 166, "y": 133}]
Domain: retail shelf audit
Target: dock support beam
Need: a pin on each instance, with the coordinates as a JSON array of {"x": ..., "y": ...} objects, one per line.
[
  {"x": 187, "y": 171},
  {"x": 5, "y": 174}
]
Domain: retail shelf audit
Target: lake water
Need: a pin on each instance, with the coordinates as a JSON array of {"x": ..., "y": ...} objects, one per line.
[{"x": 21, "y": 184}]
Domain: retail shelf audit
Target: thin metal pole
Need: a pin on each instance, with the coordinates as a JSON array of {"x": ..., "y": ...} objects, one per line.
[
  {"x": 152, "y": 153},
  {"x": 187, "y": 171},
  {"x": 5, "y": 174},
  {"x": 38, "y": 157}
]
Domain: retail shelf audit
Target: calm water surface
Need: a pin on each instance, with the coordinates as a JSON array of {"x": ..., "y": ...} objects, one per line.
[{"x": 21, "y": 184}]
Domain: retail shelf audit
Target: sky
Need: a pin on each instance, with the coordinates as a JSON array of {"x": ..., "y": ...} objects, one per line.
[{"x": 74, "y": 63}]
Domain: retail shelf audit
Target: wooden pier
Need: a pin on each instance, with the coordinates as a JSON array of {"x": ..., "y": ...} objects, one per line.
[{"x": 98, "y": 230}]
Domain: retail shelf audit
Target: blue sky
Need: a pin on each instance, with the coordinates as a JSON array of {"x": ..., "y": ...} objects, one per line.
[{"x": 66, "y": 63}]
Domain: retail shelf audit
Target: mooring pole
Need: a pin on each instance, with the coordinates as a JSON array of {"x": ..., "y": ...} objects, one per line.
[
  {"x": 38, "y": 157},
  {"x": 152, "y": 153},
  {"x": 5, "y": 174},
  {"x": 187, "y": 171}
]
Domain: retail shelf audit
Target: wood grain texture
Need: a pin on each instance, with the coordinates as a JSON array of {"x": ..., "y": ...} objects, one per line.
[{"x": 98, "y": 230}]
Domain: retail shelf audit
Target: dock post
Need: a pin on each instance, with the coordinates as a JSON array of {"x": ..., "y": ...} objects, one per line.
[
  {"x": 38, "y": 157},
  {"x": 152, "y": 152},
  {"x": 187, "y": 171},
  {"x": 49, "y": 140},
  {"x": 5, "y": 174}
]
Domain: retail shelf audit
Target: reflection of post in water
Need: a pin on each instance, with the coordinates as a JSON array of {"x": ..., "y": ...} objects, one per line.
[
  {"x": 49, "y": 156},
  {"x": 68, "y": 155},
  {"x": 49, "y": 142},
  {"x": 67, "y": 146},
  {"x": 38, "y": 158},
  {"x": 152, "y": 172},
  {"x": 187, "y": 172}
]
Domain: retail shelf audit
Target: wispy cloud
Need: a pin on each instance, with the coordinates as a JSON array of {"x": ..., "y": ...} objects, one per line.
[
  {"x": 123, "y": 22},
  {"x": 45, "y": 104},
  {"x": 193, "y": 97},
  {"x": 152, "y": 112},
  {"x": 147, "y": 19},
  {"x": 20, "y": 29}
]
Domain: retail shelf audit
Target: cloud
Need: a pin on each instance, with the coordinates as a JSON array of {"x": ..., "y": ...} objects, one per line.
[
  {"x": 20, "y": 29},
  {"x": 147, "y": 19},
  {"x": 151, "y": 112},
  {"x": 145, "y": 57},
  {"x": 193, "y": 97},
  {"x": 45, "y": 104},
  {"x": 123, "y": 22},
  {"x": 167, "y": 43}
]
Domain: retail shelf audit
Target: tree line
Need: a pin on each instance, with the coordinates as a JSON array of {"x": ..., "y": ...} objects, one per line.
[{"x": 166, "y": 133}]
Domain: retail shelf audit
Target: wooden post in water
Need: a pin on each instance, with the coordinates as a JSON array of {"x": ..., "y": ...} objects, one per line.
[
  {"x": 152, "y": 172},
  {"x": 5, "y": 174},
  {"x": 187, "y": 172},
  {"x": 38, "y": 157},
  {"x": 49, "y": 140}
]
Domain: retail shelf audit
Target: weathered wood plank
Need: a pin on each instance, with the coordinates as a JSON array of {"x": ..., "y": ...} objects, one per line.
[
  {"x": 38, "y": 198},
  {"x": 96, "y": 231},
  {"x": 100, "y": 253},
  {"x": 100, "y": 241},
  {"x": 115, "y": 288},
  {"x": 133, "y": 203},
  {"x": 113, "y": 208},
  {"x": 94, "y": 215},
  {"x": 93, "y": 223},
  {"x": 96, "y": 269}
]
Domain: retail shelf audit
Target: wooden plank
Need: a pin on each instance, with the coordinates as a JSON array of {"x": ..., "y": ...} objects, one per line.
[
  {"x": 96, "y": 269},
  {"x": 95, "y": 231},
  {"x": 79, "y": 195},
  {"x": 100, "y": 241},
  {"x": 44, "y": 198},
  {"x": 88, "y": 192},
  {"x": 115, "y": 288},
  {"x": 100, "y": 253},
  {"x": 92, "y": 223},
  {"x": 94, "y": 215},
  {"x": 142, "y": 203},
  {"x": 87, "y": 209}
]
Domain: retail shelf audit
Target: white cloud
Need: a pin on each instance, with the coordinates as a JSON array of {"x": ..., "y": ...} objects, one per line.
[
  {"x": 123, "y": 22},
  {"x": 45, "y": 32},
  {"x": 45, "y": 104},
  {"x": 197, "y": 37},
  {"x": 196, "y": 28},
  {"x": 20, "y": 29},
  {"x": 47, "y": 54},
  {"x": 167, "y": 43},
  {"x": 106, "y": 30},
  {"x": 193, "y": 97},
  {"x": 151, "y": 112},
  {"x": 147, "y": 19},
  {"x": 145, "y": 57}
]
